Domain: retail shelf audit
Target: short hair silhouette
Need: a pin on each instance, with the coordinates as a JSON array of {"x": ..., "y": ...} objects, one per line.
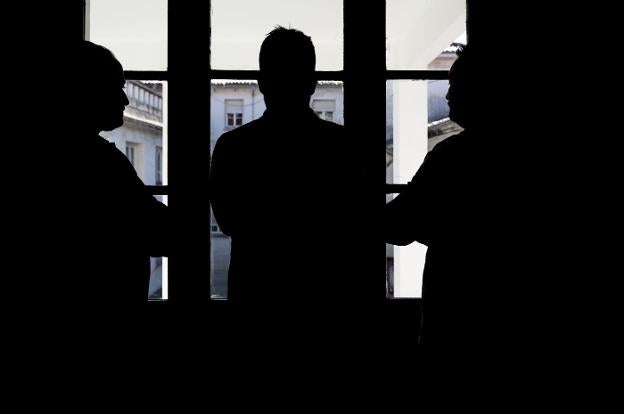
[
  {"x": 465, "y": 107},
  {"x": 287, "y": 70},
  {"x": 102, "y": 72},
  {"x": 464, "y": 58},
  {"x": 95, "y": 62},
  {"x": 284, "y": 47}
]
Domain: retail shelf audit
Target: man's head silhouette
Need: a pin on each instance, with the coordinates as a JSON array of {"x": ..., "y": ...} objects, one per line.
[
  {"x": 287, "y": 70},
  {"x": 101, "y": 99},
  {"x": 463, "y": 96}
]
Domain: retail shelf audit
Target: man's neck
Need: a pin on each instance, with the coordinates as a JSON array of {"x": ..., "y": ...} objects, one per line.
[
  {"x": 87, "y": 130},
  {"x": 288, "y": 113},
  {"x": 83, "y": 135}
]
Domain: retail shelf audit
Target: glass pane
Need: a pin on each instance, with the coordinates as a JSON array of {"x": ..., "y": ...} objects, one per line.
[
  {"x": 143, "y": 134},
  {"x": 416, "y": 120},
  {"x": 143, "y": 137},
  {"x": 240, "y": 26},
  {"x": 245, "y": 96},
  {"x": 134, "y": 30},
  {"x": 418, "y": 32},
  {"x": 220, "y": 246},
  {"x": 159, "y": 271}
]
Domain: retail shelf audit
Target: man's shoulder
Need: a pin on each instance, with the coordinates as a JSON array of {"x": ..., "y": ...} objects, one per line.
[
  {"x": 248, "y": 129},
  {"x": 239, "y": 136},
  {"x": 102, "y": 143},
  {"x": 334, "y": 134},
  {"x": 455, "y": 143},
  {"x": 331, "y": 127},
  {"x": 107, "y": 149}
]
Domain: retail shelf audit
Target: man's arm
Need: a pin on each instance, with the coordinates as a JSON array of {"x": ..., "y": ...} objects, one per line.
[
  {"x": 413, "y": 214},
  {"x": 220, "y": 187},
  {"x": 159, "y": 226},
  {"x": 152, "y": 215}
]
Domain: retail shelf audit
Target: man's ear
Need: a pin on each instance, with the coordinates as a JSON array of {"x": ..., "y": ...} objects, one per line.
[{"x": 312, "y": 86}]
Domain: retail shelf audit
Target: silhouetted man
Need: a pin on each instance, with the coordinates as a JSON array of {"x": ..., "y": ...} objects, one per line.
[
  {"x": 278, "y": 188},
  {"x": 108, "y": 224},
  {"x": 454, "y": 206}
]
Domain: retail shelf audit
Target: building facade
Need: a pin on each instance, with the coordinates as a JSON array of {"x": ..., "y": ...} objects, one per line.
[{"x": 141, "y": 139}]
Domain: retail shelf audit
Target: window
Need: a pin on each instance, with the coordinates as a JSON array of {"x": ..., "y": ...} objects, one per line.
[
  {"x": 238, "y": 27},
  {"x": 234, "y": 112},
  {"x": 137, "y": 31},
  {"x": 418, "y": 31},
  {"x": 134, "y": 30},
  {"x": 234, "y": 119},
  {"x": 416, "y": 108}
]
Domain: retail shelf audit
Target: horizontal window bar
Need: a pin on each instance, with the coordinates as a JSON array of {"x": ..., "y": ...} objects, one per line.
[
  {"x": 157, "y": 75},
  {"x": 390, "y": 302},
  {"x": 321, "y": 75},
  {"x": 395, "y": 188},
  {"x": 417, "y": 74},
  {"x": 164, "y": 189},
  {"x": 336, "y": 75},
  {"x": 158, "y": 189}
]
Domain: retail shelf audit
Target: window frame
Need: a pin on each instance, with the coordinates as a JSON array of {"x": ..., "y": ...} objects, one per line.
[
  {"x": 364, "y": 77},
  {"x": 235, "y": 115},
  {"x": 158, "y": 165},
  {"x": 131, "y": 152}
]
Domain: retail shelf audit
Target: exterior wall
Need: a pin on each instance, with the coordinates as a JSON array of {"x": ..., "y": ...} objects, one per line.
[{"x": 436, "y": 100}]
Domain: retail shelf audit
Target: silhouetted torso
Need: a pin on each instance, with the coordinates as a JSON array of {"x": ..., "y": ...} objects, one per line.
[
  {"x": 284, "y": 188},
  {"x": 108, "y": 226},
  {"x": 457, "y": 205}
]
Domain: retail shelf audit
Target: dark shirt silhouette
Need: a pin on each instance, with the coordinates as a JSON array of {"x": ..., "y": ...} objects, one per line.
[
  {"x": 276, "y": 188},
  {"x": 453, "y": 205},
  {"x": 107, "y": 224}
]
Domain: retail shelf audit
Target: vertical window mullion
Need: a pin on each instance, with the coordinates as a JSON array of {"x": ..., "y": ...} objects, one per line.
[
  {"x": 85, "y": 19},
  {"x": 365, "y": 97},
  {"x": 189, "y": 150}
]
